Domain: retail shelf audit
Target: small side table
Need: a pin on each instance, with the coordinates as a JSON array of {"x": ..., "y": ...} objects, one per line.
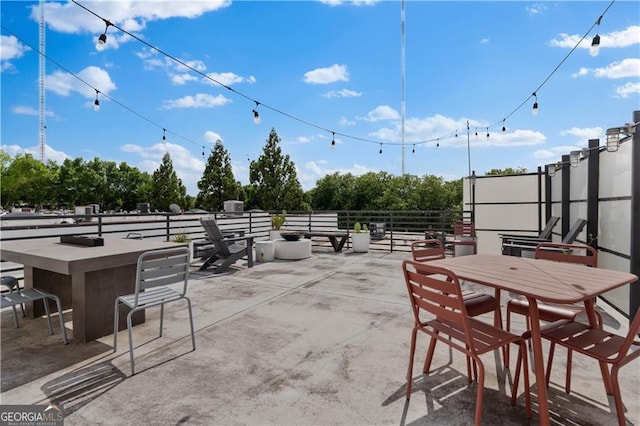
[{"x": 264, "y": 251}]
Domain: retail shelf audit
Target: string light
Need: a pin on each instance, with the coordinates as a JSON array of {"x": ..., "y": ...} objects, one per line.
[
  {"x": 504, "y": 128},
  {"x": 333, "y": 140},
  {"x": 96, "y": 103},
  {"x": 487, "y": 133},
  {"x": 534, "y": 111},
  {"x": 202, "y": 151},
  {"x": 413, "y": 151},
  {"x": 164, "y": 136},
  {"x": 102, "y": 40},
  {"x": 256, "y": 116},
  {"x": 380, "y": 152},
  {"x": 595, "y": 43},
  {"x": 476, "y": 131}
]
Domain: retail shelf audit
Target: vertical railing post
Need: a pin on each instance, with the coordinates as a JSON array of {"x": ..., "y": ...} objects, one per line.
[
  {"x": 99, "y": 225},
  {"x": 168, "y": 236}
]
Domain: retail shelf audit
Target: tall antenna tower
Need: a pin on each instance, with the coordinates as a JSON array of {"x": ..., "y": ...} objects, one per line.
[
  {"x": 402, "y": 71},
  {"x": 43, "y": 125}
]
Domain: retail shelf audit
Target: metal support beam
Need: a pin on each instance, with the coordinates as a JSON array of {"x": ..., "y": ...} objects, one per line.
[
  {"x": 566, "y": 195},
  {"x": 593, "y": 193},
  {"x": 634, "y": 265}
]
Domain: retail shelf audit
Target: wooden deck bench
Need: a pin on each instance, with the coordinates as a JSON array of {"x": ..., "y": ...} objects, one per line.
[{"x": 333, "y": 237}]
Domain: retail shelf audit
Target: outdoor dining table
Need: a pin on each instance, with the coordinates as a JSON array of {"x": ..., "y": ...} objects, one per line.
[
  {"x": 540, "y": 281},
  {"x": 87, "y": 279}
]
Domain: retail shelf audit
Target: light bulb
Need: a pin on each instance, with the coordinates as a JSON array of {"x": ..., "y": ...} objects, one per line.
[
  {"x": 96, "y": 105},
  {"x": 102, "y": 42},
  {"x": 534, "y": 111},
  {"x": 256, "y": 117},
  {"x": 595, "y": 46}
]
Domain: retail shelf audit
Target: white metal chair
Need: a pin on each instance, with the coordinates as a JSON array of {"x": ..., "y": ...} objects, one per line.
[
  {"x": 17, "y": 296},
  {"x": 156, "y": 269}
]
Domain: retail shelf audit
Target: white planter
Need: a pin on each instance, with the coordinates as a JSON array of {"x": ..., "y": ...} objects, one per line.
[
  {"x": 463, "y": 250},
  {"x": 274, "y": 235},
  {"x": 360, "y": 242}
]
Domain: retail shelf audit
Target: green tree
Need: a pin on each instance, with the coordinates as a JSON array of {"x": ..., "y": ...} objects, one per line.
[
  {"x": 133, "y": 187},
  {"x": 508, "y": 171},
  {"x": 26, "y": 181},
  {"x": 166, "y": 187},
  {"x": 217, "y": 183},
  {"x": 274, "y": 180},
  {"x": 334, "y": 192}
]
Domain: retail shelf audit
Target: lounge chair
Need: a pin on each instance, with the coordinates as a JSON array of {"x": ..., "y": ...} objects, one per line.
[
  {"x": 226, "y": 250},
  {"x": 515, "y": 246}
]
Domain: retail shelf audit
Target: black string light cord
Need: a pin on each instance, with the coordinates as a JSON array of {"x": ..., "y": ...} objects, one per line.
[
  {"x": 53, "y": 61},
  {"x": 535, "y": 92},
  {"x": 258, "y": 103},
  {"x": 308, "y": 123}
]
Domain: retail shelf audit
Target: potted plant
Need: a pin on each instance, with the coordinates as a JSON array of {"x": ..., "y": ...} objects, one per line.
[
  {"x": 360, "y": 238},
  {"x": 183, "y": 237},
  {"x": 276, "y": 222}
]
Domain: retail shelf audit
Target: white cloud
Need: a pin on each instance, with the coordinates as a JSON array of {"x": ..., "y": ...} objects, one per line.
[
  {"x": 535, "y": 9},
  {"x": 349, "y": 2},
  {"x": 629, "y": 67},
  {"x": 554, "y": 152},
  {"x": 63, "y": 83},
  {"x": 382, "y": 112},
  {"x": 131, "y": 15},
  {"x": 227, "y": 78},
  {"x": 583, "y": 134},
  {"x": 628, "y": 89},
  {"x": 212, "y": 137},
  {"x": 344, "y": 121},
  {"x": 485, "y": 40},
  {"x": 181, "y": 79},
  {"x": 200, "y": 100},
  {"x": 10, "y": 48},
  {"x": 50, "y": 154},
  {"x": 615, "y": 39},
  {"x": 327, "y": 75},
  {"x": 27, "y": 110},
  {"x": 314, "y": 170},
  {"x": 188, "y": 167},
  {"x": 344, "y": 93}
]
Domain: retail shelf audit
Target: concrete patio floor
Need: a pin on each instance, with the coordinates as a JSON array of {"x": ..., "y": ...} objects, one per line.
[{"x": 318, "y": 341}]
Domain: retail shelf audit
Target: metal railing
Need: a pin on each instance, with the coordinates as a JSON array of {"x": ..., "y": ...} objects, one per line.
[{"x": 389, "y": 230}]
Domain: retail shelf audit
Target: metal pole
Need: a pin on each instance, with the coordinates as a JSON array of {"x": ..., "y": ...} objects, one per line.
[
  {"x": 402, "y": 60},
  {"x": 634, "y": 252}
]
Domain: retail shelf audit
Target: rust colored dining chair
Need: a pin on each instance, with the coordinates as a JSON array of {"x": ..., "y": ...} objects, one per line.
[
  {"x": 462, "y": 231},
  {"x": 439, "y": 311},
  {"x": 570, "y": 253},
  {"x": 156, "y": 270},
  {"x": 599, "y": 344},
  {"x": 476, "y": 303}
]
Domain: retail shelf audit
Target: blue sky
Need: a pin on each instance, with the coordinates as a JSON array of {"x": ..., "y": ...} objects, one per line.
[{"x": 334, "y": 66}]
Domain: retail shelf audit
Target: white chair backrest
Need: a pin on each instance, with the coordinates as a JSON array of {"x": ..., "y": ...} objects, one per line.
[{"x": 160, "y": 268}]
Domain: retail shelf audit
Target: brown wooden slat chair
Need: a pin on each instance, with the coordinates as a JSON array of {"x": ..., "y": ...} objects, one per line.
[
  {"x": 435, "y": 293},
  {"x": 598, "y": 344},
  {"x": 570, "y": 253}
]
